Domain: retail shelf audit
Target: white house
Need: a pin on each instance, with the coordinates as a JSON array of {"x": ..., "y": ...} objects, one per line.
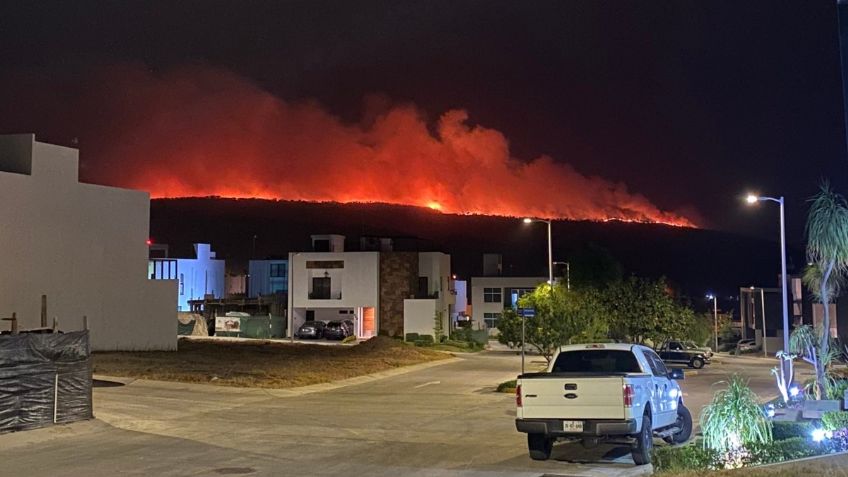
[
  {"x": 380, "y": 291},
  {"x": 197, "y": 277},
  {"x": 82, "y": 245},
  {"x": 490, "y": 296},
  {"x": 435, "y": 295}
]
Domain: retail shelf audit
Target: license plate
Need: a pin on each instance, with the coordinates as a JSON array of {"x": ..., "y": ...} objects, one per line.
[{"x": 572, "y": 426}]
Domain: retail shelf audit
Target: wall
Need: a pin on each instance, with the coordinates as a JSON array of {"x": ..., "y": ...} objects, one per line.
[
  {"x": 419, "y": 317},
  {"x": 480, "y": 307},
  {"x": 398, "y": 281},
  {"x": 203, "y": 275},
  {"x": 260, "y": 277},
  {"x": 82, "y": 245}
]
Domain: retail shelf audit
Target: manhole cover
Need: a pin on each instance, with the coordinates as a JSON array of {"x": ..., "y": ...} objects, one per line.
[{"x": 235, "y": 470}]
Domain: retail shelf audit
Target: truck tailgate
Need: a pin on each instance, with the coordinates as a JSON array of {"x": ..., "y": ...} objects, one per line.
[{"x": 566, "y": 397}]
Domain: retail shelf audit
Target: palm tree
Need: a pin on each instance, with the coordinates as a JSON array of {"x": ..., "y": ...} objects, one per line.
[{"x": 827, "y": 251}]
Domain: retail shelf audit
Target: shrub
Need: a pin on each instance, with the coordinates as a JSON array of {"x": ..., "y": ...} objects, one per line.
[
  {"x": 349, "y": 339},
  {"x": 834, "y": 420},
  {"x": 412, "y": 337},
  {"x": 782, "y": 430},
  {"x": 734, "y": 418},
  {"x": 507, "y": 386},
  {"x": 684, "y": 458},
  {"x": 788, "y": 449}
]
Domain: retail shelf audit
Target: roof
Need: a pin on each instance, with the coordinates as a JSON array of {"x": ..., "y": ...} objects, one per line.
[{"x": 613, "y": 346}]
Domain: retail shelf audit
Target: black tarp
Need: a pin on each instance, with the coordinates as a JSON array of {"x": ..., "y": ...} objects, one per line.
[{"x": 44, "y": 379}]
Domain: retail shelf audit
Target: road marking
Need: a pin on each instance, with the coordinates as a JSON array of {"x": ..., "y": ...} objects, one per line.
[{"x": 427, "y": 384}]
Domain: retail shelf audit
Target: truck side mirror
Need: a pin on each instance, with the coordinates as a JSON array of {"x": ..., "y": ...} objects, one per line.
[{"x": 676, "y": 373}]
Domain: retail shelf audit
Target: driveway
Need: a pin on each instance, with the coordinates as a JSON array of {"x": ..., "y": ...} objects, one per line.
[{"x": 442, "y": 420}]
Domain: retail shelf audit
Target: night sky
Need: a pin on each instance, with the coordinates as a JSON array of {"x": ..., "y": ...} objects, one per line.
[{"x": 688, "y": 103}]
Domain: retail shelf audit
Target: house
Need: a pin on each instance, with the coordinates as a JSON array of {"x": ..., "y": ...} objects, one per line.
[
  {"x": 84, "y": 246},
  {"x": 199, "y": 277},
  {"x": 383, "y": 291},
  {"x": 267, "y": 277},
  {"x": 491, "y": 295}
]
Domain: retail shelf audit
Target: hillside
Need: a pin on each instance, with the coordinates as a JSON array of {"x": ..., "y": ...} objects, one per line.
[{"x": 695, "y": 260}]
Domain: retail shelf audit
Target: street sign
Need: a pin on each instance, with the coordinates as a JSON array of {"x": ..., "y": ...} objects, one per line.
[{"x": 527, "y": 312}]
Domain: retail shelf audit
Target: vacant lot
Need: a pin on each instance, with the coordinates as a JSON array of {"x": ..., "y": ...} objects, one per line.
[{"x": 262, "y": 364}]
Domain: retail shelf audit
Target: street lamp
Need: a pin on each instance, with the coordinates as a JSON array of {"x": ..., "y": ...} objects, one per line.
[
  {"x": 752, "y": 199},
  {"x": 715, "y": 318},
  {"x": 529, "y": 220}
]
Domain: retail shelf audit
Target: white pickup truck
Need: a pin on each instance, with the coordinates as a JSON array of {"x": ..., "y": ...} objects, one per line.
[{"x": 616, "y": 393}]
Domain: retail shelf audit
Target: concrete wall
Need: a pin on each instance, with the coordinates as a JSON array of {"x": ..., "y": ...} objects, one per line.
[
  {"x": 203, "y": 275},
  {"x": 82, "y": 245},
  {"x": 479, "y": 306},
  {"x": 260, "y": 277},
  {"x": 419, "y": 317}
]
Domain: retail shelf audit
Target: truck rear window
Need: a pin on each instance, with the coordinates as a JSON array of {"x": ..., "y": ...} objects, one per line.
[{"x": 596, "y": 361}]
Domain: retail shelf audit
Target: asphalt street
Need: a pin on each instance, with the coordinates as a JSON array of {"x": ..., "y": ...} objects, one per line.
[{"x": 442, "y": 420}]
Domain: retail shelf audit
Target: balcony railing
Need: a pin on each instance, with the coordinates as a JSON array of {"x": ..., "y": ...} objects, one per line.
[{"x": 325, "y": 296}]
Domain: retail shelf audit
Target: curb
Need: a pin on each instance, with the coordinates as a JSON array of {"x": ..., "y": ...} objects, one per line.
[{"x": 286, "y": 392}]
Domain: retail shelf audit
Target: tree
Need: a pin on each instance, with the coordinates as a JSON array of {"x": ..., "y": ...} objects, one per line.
[
  {"x": 593, "y": 266},
  {"x": 827, "y": 251},
  {"x": 561, "y": 317},
  {"x": 641, "y": 309}
]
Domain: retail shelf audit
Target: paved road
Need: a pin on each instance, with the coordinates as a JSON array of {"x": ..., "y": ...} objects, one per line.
[{"x": 439, "y": 421}]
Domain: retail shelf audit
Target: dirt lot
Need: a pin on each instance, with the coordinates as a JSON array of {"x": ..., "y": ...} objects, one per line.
[{"x": 262, "y": 364}]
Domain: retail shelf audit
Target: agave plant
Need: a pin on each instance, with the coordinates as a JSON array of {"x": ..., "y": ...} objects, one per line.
[{"x": 734, "y": 419}]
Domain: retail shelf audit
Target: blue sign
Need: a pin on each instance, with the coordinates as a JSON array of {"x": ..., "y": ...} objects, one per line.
[{"x": 527, "y": 312}]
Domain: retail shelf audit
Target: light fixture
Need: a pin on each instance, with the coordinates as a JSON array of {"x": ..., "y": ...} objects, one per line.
[
  {"x": 751, "y": 198},
  {"x": 527, "y": 220}
]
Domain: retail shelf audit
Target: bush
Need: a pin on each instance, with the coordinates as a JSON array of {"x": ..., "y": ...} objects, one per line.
[
  {"x": 426, "y": 339},
  {"x": 507, "y": 386},
  {"x": 834, "y": 420},
  {"x": 788, "y": 449},
  {"x": 349, "y": 339},
  {"x": 782, "y": 430},
  {"x": 734, "y": 417},
  {"x": 412, "y": 337},
  {"x": 684, "y": 458}
]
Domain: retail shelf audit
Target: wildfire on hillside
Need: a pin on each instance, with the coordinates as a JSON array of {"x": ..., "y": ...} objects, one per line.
[{"x": 200, "y": 131}]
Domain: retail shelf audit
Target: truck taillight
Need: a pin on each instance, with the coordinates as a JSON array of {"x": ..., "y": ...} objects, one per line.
[
  {"x": 518, "y": 395},
  {"x": 628, "y": 395}
]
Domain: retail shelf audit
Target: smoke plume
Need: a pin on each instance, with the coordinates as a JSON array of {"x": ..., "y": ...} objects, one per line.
[{"x": 201, "y": 131}]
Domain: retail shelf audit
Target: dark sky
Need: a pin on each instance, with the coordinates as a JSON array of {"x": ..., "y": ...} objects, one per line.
[{"x": 690, "y": 103}]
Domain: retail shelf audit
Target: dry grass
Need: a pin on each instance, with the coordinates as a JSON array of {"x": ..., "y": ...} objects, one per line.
[
  {"x": 835, "y": 466},
  {"x": 262, "y": 364}
]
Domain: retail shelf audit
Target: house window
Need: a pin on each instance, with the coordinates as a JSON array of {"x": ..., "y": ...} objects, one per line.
[
  {"x": 492, "y": 295},
  {"x": 513, "y": 295},
  {"x": 182, "y": 284},
  {"x": 320, "y": 288},
  {"x": 491, "y": 319},
  {"x": 279, "y": 270}
]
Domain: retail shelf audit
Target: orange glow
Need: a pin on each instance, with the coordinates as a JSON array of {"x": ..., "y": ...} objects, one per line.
[{"x": 198, "y": 131}]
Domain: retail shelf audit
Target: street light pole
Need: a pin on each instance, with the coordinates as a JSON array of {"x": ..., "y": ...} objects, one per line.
[
  {"x": 528, "y": 220},
  {"x": 752, "y": 199},
  {"x": 715, "y": 319}
]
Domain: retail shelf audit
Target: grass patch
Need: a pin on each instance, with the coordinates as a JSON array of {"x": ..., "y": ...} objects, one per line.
[
  {"x": 507, "y": 386},
  {"x": 263, "y": 364}
]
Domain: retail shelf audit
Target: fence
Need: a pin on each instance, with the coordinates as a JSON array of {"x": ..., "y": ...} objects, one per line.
[{"x": 45, "y": 379}]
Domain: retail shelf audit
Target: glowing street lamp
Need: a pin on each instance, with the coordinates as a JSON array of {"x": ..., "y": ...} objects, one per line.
[
  {"x": 715, "y": 318},
  {"x": 528, "y": 220},
  {"x": 752, "y": 199}
]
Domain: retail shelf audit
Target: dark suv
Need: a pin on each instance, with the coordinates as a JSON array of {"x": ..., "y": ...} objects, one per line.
[
  {"x": 337, "y": 330},
  {"x": 311, "y": 329}
]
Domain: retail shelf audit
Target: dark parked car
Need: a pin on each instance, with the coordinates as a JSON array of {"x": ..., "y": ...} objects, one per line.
[
  {"x": 337, "y": 330},
  {"x": 311, "y": 329},
  {"x": 676, "y": 352}
]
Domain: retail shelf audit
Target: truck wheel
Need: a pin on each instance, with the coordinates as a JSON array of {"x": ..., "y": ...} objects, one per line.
[
  {"x": 641, "y": 451},
  {"x": 697, "y": 363},
  {"x": 684, "y": 422},
  {"x": 540, "y": 446}
]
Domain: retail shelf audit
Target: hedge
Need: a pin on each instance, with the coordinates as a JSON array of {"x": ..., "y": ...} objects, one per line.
[
  {"x": 834, "y": 420},
  {"x": 782, "y": 430},
  {"x": 683, "y": 458}
]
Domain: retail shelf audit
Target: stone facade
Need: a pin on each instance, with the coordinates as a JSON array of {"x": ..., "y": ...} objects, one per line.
[{"x": 398, "y": 281}]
